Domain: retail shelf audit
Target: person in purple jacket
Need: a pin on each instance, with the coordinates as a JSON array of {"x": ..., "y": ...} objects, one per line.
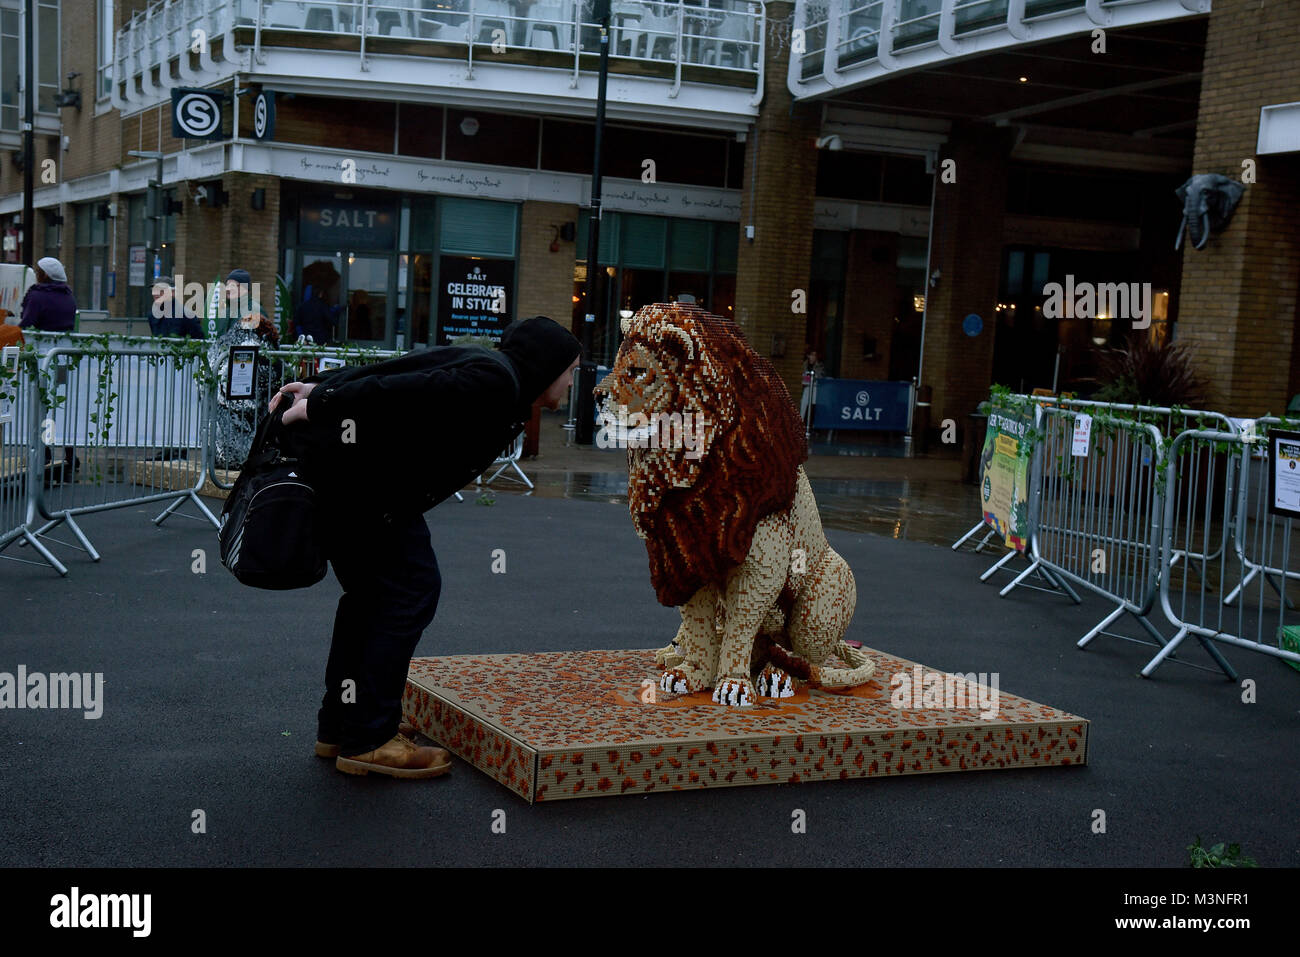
[{"x": 49, "y": 304}]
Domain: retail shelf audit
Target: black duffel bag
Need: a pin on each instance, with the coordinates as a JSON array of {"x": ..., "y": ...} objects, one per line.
[{"x": 270, "y": 533}]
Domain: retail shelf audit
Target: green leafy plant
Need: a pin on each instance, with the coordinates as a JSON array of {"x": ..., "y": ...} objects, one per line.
[
  {"x": 1218, "y": 855},
  {"x": 485, "y": 498}
]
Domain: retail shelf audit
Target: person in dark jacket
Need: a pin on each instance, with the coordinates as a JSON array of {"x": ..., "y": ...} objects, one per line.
[
  {"x": 49, "y": 304},
  {"x": 170, "y": 315},
  {"x": 315, "y": 319},
  {"x": 382, "y": 444}
]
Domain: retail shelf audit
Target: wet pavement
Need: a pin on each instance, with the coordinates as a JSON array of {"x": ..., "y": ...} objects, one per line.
[
  {"x": 937, "y": 512},
  {"x": 862, "y": 484}
]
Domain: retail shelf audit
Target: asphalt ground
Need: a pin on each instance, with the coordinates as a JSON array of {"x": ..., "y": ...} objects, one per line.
[{"x": 211, "y": 691}]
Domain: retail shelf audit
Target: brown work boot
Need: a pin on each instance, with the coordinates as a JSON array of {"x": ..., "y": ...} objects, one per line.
[
  {"x": 330, "y": 749},
  {"x": 399, "y": 758}
]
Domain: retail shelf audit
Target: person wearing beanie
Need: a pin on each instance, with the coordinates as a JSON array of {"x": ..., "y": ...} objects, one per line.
[
  {"x": 49, "y": 304},
  {"x": 239, "y": 308},
  {"x": 382, "y": 444}
]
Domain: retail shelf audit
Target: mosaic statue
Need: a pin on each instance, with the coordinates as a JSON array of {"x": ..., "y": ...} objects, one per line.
[{"x": 717, "y": 490}]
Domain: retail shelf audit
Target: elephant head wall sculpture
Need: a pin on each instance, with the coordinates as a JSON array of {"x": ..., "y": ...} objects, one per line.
[{"x": 1209, "y": 200}]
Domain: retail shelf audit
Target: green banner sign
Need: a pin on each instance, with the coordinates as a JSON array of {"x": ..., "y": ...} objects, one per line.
[{"x": 1004, "y": 475}]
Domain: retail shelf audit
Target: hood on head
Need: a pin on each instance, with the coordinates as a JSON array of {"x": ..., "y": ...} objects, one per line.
[{"x": 541, "y": 349}]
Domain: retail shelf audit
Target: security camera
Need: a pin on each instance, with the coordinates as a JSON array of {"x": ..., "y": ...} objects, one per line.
[
  {"x": 200, "y": 194},
  {"x": 832, "y": 142}
]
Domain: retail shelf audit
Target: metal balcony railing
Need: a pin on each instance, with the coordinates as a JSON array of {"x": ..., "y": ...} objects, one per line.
[
  {"x": 725, "y": 35},
  {"x": 884, "y": 35}
]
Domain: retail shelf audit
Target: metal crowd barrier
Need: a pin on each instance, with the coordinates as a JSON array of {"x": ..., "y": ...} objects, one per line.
[
  {"x": 1240, "y": 544},
  {"x": 21, "y": 461},
  {"x": 104, "y": 429},
  {"x": 1170, "y": 505},
  {"x": 1095, "y": 518},
  {"x": 1232, "y": 508}
]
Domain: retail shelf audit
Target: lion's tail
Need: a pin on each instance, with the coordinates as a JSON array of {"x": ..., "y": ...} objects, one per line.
[{"x": 860, "y": 669}]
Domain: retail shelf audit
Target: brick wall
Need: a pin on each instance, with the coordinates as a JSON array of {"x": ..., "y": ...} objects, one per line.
[
  {"x": 967, "y": 249},
  {"x": 212, "y": 242},
  {"x": 781, "y": 163},
  {"x": 548, "y": 289},
  {"x": 1238, "y": 306}
]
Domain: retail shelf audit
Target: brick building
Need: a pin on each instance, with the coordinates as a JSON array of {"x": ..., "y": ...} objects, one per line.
[{"x": 895, "y": 193}]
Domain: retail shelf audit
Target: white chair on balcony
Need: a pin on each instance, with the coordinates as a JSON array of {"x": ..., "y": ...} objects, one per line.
[
  {"x": 552, "y": 21},
  {"x": 436, "y": 20},
  {"x": 624, "y": 19},
  {"x": 730, "y": 43},
  {"x": 284, "y": 15},
  {"x": 490, "y": 15},
  {"x": 319, "y": 19},
  {"x": 388, "y": 18},
  {"x": 655, "y": 35}
]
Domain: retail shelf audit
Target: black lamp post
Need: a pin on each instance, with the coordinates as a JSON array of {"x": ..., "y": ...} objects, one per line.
[
  {"x": 586, "y": 411},
  {"x": 29, "y": 133}
]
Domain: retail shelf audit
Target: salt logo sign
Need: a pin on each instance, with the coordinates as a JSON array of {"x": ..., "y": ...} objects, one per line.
[
  {"x": 864, "y": 412},
  {"x": 196, "y": 114}
]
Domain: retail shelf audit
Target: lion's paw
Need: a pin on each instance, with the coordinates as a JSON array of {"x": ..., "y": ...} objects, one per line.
[
  {"x": 669, "y": 657},
  {"x": 734, "y": 692},
  {"x": 681, "y": 681},
  {"x": 774, "y": 682}
]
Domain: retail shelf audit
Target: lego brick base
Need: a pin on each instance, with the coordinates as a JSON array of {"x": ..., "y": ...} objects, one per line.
[{"x": 577, "y": 724}]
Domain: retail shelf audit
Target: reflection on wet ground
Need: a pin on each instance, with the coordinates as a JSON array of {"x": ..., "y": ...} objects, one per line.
[{"x": 927, "y": 511}]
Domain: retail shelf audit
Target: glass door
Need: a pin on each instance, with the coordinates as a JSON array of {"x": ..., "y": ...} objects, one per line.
[
  {"x": 319, "y": 279},
  {"x": 367, "y": 282}
]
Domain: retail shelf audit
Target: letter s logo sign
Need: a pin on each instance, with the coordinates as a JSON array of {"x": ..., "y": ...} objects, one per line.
[{"x": 198, "y": 115}]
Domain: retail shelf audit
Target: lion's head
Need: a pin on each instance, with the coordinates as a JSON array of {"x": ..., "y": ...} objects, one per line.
[{"x": 728, "y": 435}]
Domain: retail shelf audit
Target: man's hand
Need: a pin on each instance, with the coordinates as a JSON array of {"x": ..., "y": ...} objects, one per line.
[{"x": 297, "y": 392}]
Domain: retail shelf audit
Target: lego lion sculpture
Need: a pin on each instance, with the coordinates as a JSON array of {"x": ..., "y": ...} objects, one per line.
[{"x": 717, "y": 490}]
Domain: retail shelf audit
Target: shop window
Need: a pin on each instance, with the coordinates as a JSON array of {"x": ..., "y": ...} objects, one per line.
[
  {"x": 474, "y": 136},
  {"x": 90, "y": 276},
  {"x": 643, "y": 241},
  {"x": 47, "y": 56},
  {"x": 478, "y": 227},
  {"x": 9, "y": 100},
  {"x": 419, "y": 131},
  {"x": 726, "y": 247},
  {"x": 735, "y": 165},
  {"x": 905, "y": 181},
  {"x": 609, "y": 237},
  {"x": 845, "y": 174},
  {"x": 680, "y": 156},
  {"x": 691, "y": 240},
  {"x": 567, "y": 147},
  {"x": 824, "y": 324},
  {"x": 423, "y": 225}
]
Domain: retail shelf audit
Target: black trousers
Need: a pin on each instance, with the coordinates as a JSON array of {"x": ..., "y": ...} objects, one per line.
[{"x": 391, "y": 585}]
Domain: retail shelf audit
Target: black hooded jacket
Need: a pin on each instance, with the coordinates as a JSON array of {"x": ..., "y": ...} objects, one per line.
[{"x": 395, "y": 438}]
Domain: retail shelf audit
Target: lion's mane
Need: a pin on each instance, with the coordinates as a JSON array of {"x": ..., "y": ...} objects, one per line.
[{"x": 698, "y": 516}]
